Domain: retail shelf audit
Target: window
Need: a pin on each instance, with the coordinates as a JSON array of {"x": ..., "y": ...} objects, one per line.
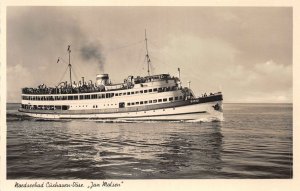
[
  {"x": 70, "y": 97},
  {"x": 150, "y": 101},
  {"x": 145, "y": 102},
  {"x": 65, "y": 107},
  {"x": 176, "y": 98},
  {"x": 103, "y": 96},
  {"x": 136, "y": 92},
  {"x": 121, "y": 105},
  {"x": 170, "y": 99},
  {"x": 128, "y": 104},
  {"x": 137, "y": 103},
  {"x": 117, "y": 94},
  {"x": 128, "y": 93},
  {"x": 180, "y": 97},
  {"x": 141, "y": 91},
  {"x": 132, "y": 103},
  {"x": 87, "y": 97},
  {"x": 57, "y": 107},
  {"x": 165, "y": 99},
  {"x": 81, "y": 97},
  {"x": 159, "y": 100},
  {"x": 155, "y": 101},
  {"x": 155, "y": 89},
  {"x": 145, "y": 91},
  {"x": 132, "y": 92},
  {"x": 124, "y": 93},
  {"x": 141, "y": 102},
  {"x": 150, "y": 90},
  {"x": 159, "y": 89},
  {"x": 76, "y": 97}
]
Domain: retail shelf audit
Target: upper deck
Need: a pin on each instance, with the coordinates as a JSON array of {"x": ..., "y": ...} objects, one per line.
[{"x": 79, "y": 88}]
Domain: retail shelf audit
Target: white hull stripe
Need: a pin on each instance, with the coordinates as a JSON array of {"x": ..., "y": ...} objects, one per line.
[{"x": 140, "y": 116}]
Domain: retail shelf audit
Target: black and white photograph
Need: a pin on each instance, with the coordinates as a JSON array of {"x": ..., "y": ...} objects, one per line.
[{"x": 124, "y": 93}]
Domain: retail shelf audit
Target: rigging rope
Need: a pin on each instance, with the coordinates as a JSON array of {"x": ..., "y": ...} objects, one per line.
[
  {"x": 75, "y": 74},
  {"x": 63, "y": 75}
]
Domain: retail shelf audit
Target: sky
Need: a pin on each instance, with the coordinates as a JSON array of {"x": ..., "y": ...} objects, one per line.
[{"x": 245, "y": 52}]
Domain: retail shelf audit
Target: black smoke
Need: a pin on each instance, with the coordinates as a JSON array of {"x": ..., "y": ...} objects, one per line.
[{"x": 92, "y": 52}]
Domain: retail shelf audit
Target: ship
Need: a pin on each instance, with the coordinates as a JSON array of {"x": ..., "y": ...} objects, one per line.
[{"x": 159, "y": 97}]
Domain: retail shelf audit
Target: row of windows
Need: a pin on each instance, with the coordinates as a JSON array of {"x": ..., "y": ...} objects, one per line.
[
  {"x": 45, "y": 107},
  {"x": 121, "y": 104},
  {"x": 155, "y": 101},
  {"x": 52, "y": 98},
  {"x": 96, "y": 96}
]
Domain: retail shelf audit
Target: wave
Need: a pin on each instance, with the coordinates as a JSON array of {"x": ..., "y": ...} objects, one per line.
[
  {"x": 17, "y": 117},
  {"x": 209, "y": 119}
]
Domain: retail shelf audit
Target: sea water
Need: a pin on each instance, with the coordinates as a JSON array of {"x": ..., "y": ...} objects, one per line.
[{"x": 253, "y": 141}]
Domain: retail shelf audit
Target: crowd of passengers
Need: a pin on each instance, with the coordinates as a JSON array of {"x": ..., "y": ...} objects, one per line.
[{"x": 65, "y": 88}]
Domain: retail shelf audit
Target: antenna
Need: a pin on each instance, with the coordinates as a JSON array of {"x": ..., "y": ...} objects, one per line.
[
  {"x": 70, "y": 66},
  {"x": 147, "y": 54}
]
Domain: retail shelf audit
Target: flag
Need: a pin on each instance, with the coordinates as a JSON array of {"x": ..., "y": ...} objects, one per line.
[{"x": 178, "y": 69}]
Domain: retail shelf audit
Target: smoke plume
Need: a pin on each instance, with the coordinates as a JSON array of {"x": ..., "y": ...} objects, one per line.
[{"x": 92, "y": 52}]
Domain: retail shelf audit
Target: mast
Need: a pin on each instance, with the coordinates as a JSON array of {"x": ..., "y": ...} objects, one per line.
[
  {"x": 147, "y": 54},
  {"x": 70, "y": 66}
]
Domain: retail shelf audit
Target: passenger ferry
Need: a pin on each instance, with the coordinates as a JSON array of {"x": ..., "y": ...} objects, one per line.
[{"x": 151, "y": 97}]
